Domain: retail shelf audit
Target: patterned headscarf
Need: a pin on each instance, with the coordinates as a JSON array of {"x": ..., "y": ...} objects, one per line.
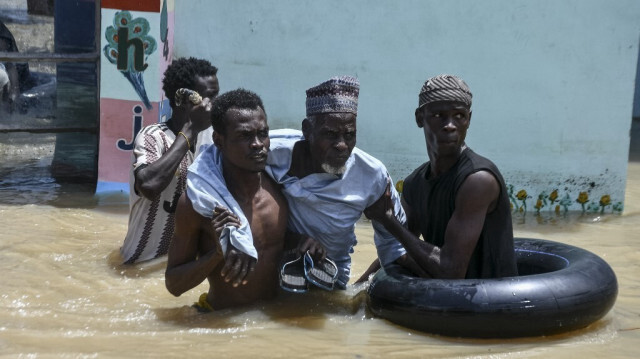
[
  {"x": 338, "y": 94},
  {"x": 444, "y": 88}
]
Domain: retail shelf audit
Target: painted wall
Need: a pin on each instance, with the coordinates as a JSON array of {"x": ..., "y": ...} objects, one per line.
[
  {"x": 131, "y": 95},
  {"x": 553, "y": 81},
  {"x": 636, "y": 98}
]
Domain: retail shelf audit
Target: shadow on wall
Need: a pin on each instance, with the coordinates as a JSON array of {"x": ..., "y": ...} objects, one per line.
[{"x": 634, "y": 144}]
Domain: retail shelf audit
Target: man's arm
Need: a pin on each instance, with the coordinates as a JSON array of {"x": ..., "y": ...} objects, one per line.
[
  {"x": 476, "y": 197},
  {"x": 185, "y": 268},
  {"x": 151, "y": 180},
  {"x": 405, "y": 260},
  {"x": 303, "y": 243},
  {"x": 373, "y": 267},
  {"x": 387, "y": 246}
]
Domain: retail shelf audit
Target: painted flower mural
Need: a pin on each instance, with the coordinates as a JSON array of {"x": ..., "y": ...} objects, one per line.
[
  {"x": 541, "y": 201},
  {"x": 605, "y": 201},
  {"x": 125, "y": 35},
  {"x": 583, "y": 198},
  {"x": 553, "y": 197},
  {"x": 565, "y": 202},
  {"x": 512, "y": 198},
  {"x": 617, "y": 207},
  {"x": 522, "y": 196},
  {"x": 559, "y": 202}
]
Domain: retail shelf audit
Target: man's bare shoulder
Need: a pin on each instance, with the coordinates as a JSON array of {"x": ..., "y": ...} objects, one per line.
[
  {"x": 185, "y": 205},
  {"x": 186, "y": 215},
  {"x": 272, "y": 187},
  {"x": 482, "y": 179}
]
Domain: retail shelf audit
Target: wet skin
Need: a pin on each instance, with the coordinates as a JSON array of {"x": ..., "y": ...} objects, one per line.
[
  {"x": 329, "y": 140},
  {"x": 245, "y": 143},
  {"x": 195, "y": 252},
  {"x": 188, "y": 119},
  {"x": 445, "y": 126},
  {"x": 207, "y": 86}
]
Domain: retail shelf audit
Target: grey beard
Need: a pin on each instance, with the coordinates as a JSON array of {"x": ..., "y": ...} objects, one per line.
[{"x": 338, "y": 171}]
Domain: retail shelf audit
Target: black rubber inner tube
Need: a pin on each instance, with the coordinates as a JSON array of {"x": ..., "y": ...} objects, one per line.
[{"x": 559, "y": 288}]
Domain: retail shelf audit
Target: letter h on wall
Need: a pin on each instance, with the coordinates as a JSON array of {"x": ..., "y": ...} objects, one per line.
[{"x": 123, "y": 50}]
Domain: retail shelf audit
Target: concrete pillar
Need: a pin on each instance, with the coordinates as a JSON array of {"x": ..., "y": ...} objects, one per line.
[{"x": 136, "y": 46}]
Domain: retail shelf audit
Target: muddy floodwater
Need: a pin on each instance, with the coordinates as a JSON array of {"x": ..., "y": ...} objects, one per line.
[{"x": 64, "y": 294}]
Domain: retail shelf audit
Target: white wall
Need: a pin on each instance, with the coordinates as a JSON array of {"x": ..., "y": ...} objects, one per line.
[{"x": 553, "y": 81}]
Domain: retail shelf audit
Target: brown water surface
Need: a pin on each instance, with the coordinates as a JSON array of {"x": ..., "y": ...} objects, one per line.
[{"x": 63, "y": 293}]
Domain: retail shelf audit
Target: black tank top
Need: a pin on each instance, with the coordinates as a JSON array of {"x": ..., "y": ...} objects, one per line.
[{"x": 432, "y": 203}]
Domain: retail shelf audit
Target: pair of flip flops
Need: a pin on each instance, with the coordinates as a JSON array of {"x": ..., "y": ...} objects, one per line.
[{"x": 298, "y": 271}]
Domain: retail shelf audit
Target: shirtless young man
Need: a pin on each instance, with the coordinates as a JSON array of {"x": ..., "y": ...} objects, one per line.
[{"x": 241, "y": 136}]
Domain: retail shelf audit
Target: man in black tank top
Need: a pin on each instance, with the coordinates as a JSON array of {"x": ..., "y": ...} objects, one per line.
[{"x": 457, "y": 200}]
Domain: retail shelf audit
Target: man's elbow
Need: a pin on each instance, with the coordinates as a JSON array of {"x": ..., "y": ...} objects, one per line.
[
  {"x": 149, "y": 191},
  {"x": 148, "y": 185},
  {"x": 172, "y": 287}
]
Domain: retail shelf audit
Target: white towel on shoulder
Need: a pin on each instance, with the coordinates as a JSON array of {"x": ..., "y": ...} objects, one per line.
[{"x": 207, "y": 189}]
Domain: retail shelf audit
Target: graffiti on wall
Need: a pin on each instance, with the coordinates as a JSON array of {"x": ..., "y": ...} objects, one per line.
[
  {"x": 122, "y": 143},
  {"x": 128, "y": 46}
]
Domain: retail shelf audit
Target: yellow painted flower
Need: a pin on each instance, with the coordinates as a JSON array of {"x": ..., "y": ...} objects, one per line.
[
  {"x": 399, "y": 185},
  {"x": 538, "y": 204},
  {"x": 583, "y": 198},
  {"x": 522, "y": 194},
  {"x": 554, "y": 195},
  {"x": 605, "y": 200}
]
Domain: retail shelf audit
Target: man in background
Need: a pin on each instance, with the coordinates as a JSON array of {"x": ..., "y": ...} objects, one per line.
[{"x": 162, "y": 152}]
